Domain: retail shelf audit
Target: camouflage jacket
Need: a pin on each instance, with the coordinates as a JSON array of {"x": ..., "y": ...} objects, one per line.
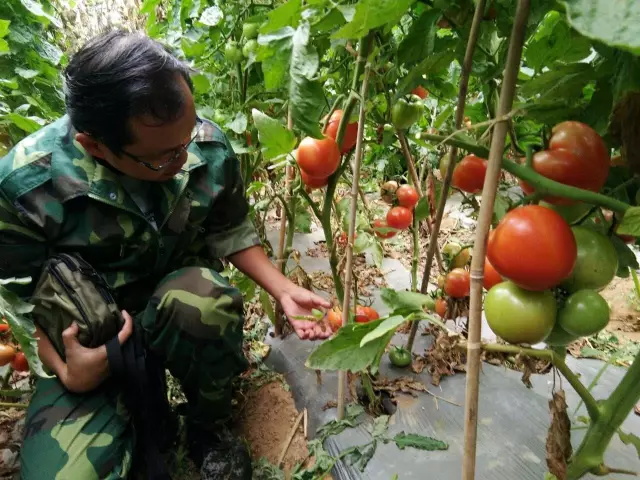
[{"x": 54, "y": 197}]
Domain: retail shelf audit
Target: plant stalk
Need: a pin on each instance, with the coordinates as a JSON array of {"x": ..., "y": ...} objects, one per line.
[
  {"x": 462, "y": 97},
  {"x": 348, "y": 275},
  {"x": 485, "y": 215}
]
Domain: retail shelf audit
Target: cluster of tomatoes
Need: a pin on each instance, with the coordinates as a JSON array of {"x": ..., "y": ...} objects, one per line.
[
  {"x": 362, "y": 314},
  {"x": 8, "y": 353},
  {"x": 456, "y": 284},
  {"x": 402, "y": 199},
  {"x": 318, "y": 159}
]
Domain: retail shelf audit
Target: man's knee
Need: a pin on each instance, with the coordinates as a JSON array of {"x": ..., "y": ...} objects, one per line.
[{"x": 199, "y": 302}]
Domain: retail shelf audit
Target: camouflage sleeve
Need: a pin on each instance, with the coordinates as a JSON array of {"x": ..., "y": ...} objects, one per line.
[
  {"x": 23, "y": 247},
  {"x": 229, "y": 228}
]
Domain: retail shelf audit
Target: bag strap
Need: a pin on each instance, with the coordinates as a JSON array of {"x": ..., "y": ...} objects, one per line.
[{"x": 127, "y": 362}]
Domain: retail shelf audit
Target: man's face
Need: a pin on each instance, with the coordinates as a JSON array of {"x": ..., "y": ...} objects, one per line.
[{"x": 154, "y": 145}]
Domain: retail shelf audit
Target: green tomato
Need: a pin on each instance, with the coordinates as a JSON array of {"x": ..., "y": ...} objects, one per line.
[
  {"x": 584, "y": 313},
  {"x": 249, "y": 48},
  {"x": 596, "y": 264},
  {"x": 444, "y": 165},
  {"x": 559, "y": 338},
  {"x": 518, "y": 315},
  {"x": 232, "y": 53},
  {"x": 250, "y": 30},
  {"x": 399, "y": 356},
  {"x": 405, "y": 113},
  {"x": 571, "y": 213}
]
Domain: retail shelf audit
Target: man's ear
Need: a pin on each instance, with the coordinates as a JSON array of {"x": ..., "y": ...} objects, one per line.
[{"x": 92, "y": 146}]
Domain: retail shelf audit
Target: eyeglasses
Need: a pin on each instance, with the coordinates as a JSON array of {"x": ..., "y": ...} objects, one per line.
[{"x": 166, "y": 159}]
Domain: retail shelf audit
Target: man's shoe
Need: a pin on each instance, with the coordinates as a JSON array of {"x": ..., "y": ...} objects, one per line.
[{"x": 219, "y": 454}]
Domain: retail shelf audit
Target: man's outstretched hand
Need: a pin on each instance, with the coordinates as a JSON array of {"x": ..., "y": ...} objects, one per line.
[{"x": 297, "y": 301}]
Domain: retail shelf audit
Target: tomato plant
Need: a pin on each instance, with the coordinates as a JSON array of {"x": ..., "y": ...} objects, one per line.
[
  {"x": 457, "y": 283},
  {"x": 584, "y": 313},
  {"x": 399, "y": 217},
  {"x": 534, "y": 247},
  {"x": 407, "y": 196},
  {"x": 520, "y": 316},
  {"x": 596, "y": 262},
  {"x": 349, "y": 139},
  {"x": 469, "y": 174}
]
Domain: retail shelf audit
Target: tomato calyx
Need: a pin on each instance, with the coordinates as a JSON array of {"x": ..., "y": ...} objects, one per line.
[{"x": 400, "y": 356}]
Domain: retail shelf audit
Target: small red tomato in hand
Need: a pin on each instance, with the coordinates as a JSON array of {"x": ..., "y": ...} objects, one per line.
[
  {"x": 380, "y": 226},
  {"x": 350, "y": 134},
  {"x": 420, "y": 91},
  {"x": 399, "y": 217},
  {"x": 407, "y": 196},
  {"x": 334, "y": 319},
  {"x": 19, "y": 362},
  {"x": 457, "y": 283},
  {"x": 469, "y": 174}
]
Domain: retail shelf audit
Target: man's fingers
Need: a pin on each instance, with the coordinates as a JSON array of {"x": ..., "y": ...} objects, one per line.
[
  {"x": 127, "y": 329},
  {"x": 70, "y": 336}
]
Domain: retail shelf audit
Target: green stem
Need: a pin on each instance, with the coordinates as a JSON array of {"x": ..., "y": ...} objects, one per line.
[
  {"x": 285, "y": 207},
  {"x": 636, "y": 283},
  {"x": 613, "y": 411},
  {"x": 558, "y": 362},
  {"x": 333, "y": 108},
  {"x": 13, "y": 405},
  {"x": 543, "y": 185},
  {"x": 416, "y": 255}
]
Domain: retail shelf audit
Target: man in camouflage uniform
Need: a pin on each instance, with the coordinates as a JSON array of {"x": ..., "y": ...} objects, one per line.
[{"x": 151, "y": 195}]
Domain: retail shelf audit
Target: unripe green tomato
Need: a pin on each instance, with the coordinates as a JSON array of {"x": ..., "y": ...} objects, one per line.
[
  {"x": 249, "y": 48},
  {"x": 584, "y": 313},
  {"x": 232, "y": 53},
  {"x": 399, "y": 356},
  {"x": 250, "y": 30}
]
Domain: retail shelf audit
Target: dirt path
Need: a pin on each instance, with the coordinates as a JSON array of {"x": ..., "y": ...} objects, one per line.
[{"x": 625, "y": 308}]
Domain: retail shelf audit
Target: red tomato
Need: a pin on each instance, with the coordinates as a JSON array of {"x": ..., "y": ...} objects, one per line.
[
  {"x": 370, "y": 312},
  {"x": 576, "y": 156},
  {"x": 334, "y": 319},
  {"x": 420, "y": 91},
  {"x": 318, "y": 158},
  {"x": 313, "y": 182},
  {"x": 19, "y": 362},
  {"x": 491, "y": 277},
  {"x": 468, "y": 175},
  {"x": 361, "y": 315},
  {"x": 350, "y": 134},
  {"x": 457, "y": 283},
  {"x": 534, "y": 247},
  {"x": 7, "y": 352},
  {"x": 382, "y": 224},
  {"x": 441, "y": 307},
  {"x": 407, "y": 196},
  {"x": 399, "y": 217},
  {"x": 4, "y": 326}
]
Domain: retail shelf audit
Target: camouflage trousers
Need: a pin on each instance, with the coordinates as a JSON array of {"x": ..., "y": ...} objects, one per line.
[{"x": 193, "y": 322}]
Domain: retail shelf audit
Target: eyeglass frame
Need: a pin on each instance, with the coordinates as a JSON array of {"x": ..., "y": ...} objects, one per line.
[{"x": 176, "y": 153}]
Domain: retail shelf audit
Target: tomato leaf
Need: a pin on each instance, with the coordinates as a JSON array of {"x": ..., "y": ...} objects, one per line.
[
  {"x": 275, "y": 138},
  {"x": 360, "y": 456},
  {"x": 343, "y": 351},
  {"x": 563, "y": 82},
  {"x": 630, "y": 224},
  {"x": 267, "y": 306},
  {"x": 238, "y": 124},
  {"x": 626, "y": 258},
  {"x": 597, "y": 19},
  {"x": 201, "y": 83},
  {"x": 419, "y": 42},
  {"x": 274, "y": 52},
  {"x": 303, "y": 218},
  {"x": 630, "y": 439},
  {"x": 36, "y": 9},
  {"x": 422, "y": 209},
  {"x": 372, "y": 14},
  {"x": 285, "y": 15},
  {"x": 411, "y": 301},
  {"x": 23, "y": 123},
  {"x": 14, "y": 309},
  {"x": 388, "y": 325},
  {"x": 379, "y": 426},
  {"x": 420, "y": 442},
  {"x": 433, "y": 63},
  {"x": 335, "y": 427},
  {"x": 500, "y": 208},
  {"x": 211, "y": 16},
  {"x": 4, "y": 27},
  {"x": 305, "y": 92},
  {"x": 365, "y": 243}
]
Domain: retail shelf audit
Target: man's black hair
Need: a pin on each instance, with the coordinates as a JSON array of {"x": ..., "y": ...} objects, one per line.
[{"x": 119, "y": 75}]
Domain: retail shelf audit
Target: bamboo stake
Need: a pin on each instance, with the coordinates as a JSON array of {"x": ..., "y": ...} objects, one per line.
[
  {"x": 292, "y": 433},
  {"x": 415, "y": 178},
  {"x": 283, "y": 231},
  {"x": 484, "y": 222},
  {"x": 348, "y": 275},
  {"x": 462, "y": 96}
]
